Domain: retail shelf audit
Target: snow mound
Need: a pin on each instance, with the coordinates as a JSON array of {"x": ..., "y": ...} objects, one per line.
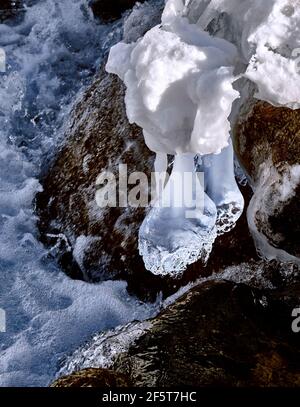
[{"x": 173, "y": 81}]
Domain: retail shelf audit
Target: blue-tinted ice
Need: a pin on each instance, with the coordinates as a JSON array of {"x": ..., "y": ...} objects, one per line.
[{"x": 183, "y": 225}]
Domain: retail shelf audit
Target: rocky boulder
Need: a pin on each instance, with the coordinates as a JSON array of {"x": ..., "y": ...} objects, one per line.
[
  {"x": 218, "y": 334},
  {"x": 110, "y": 10},
  {"x": 95, "y": 243},
  {"x": 267, "y": 142},
  {"x": 9, "y": 9},
  {"x": 103, "y": 241},
  {"x": 93, "y": 378}
]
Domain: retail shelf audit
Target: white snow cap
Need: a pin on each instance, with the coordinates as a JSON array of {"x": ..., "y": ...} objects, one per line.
[
  {"x": 267, "y": 36},
  {"x": 179, "y": 79},
  {"x": 275, "y": 66},
  {"x": 174, "y": 76}
]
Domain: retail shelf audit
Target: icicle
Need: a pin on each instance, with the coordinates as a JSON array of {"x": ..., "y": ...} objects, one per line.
[
  {"x": 180, "y": 229},
  {"x": 160, "y": 168},
  {"x": 222, "y": 188}
]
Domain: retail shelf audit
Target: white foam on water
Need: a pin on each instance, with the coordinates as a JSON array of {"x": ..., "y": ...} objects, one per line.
[{"x": 51, "y": 54}]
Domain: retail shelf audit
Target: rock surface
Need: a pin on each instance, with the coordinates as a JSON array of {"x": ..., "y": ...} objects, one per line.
[
  {"x": 219, "y": 334},
  {"x": 264, "y": 131},
  {"x": 9, "y": 9},
  {"x": 110, "y": 10},
  {"x": 93, "y": 378},
  {"x": 267, "y": 142},
  {"x": 98, "y": 138}
]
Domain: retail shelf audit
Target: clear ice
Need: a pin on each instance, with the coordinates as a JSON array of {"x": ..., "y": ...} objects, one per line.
[{"x": 181, "y": 227}]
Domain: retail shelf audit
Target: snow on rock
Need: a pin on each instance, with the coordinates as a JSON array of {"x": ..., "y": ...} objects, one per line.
[
  {"x": 167, "y": 76},
  {"x": 266, "y": 34},
  {"x": 179, "y": 90}
]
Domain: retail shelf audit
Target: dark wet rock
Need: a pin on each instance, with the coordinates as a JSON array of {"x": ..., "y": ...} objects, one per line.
[
  {"x": 98, "y": 138},
  {"x": 110, "y": 10},
  {"x": 267, "y": 142},
  {"x": 9, "y": 9},
  {"x": 219, "y": 333},
  {"x": 93, "y": 378},
  {"x": 285, "y": 223},
  {"x": 264, "y": 131}
]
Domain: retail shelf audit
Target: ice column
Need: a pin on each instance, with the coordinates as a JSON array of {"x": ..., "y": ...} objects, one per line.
[
  {"x": 222, "y": 188},
  {"x": 181, "y": 227}
]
